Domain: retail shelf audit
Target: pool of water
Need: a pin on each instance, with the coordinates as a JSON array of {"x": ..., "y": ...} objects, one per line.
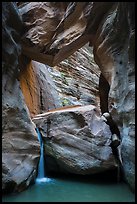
[{"x": 74, "y": 189}]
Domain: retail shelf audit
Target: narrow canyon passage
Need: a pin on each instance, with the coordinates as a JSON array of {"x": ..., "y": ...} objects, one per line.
[
  {"x": 68, "y": 93},
  {"x": 40, "y": 86},
  {"x": 43, "y": 97}
]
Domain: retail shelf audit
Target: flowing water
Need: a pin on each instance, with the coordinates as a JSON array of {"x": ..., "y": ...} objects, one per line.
[
  {"x": 41, "y": 172},
  {"x": 70, "y": 188}
]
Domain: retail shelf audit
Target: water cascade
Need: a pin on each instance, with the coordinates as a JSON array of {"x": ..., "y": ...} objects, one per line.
[{"x": 41, "y": 168}]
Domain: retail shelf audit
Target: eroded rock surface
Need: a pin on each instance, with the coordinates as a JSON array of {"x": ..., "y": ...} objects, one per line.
[
  {"x": 20, "y": 146},
  {"x": 38, "y": 88},
  {"x": 114, "y": 48},
  {"x": 55, "y": 30},
  {"x": 77, "y": 78},
  {"x": 76, "y": 140}
]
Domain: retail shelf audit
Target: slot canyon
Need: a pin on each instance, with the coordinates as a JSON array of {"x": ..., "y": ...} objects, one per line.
[{"x": 68, "y": 68}]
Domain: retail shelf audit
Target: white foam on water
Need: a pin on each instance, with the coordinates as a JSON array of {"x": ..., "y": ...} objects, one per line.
[{"x": 43, "y": 180}]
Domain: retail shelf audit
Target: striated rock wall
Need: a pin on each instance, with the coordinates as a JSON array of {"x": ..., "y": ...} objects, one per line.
[
  {"x": 38, "y": 88},
  {"x": 74, "y": 81},
  {"x": 77, "y": 78},
  {"x": 20, "y": 146}
]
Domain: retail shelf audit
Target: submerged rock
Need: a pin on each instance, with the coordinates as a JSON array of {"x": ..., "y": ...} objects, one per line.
[{"x": 76, "y": 140}]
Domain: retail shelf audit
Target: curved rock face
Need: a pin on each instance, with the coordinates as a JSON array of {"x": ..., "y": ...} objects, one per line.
[
  {"x": 76, "y": 140},
  {"x": 47, "y": 35},
  {"x": 114, "y": 52},
  {"x": 55, "y": 30},
  {"x": 20, "y": 146}
]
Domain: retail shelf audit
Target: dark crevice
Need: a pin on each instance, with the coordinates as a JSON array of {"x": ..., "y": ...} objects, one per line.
[
  {"x": 41, "y": 100},
  {"x": 104, "y": 88}
]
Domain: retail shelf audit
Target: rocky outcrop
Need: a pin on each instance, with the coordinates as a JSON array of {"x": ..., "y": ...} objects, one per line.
[
  {"x": 76, "y": 140},
  {"x": 45, "y": 31},
  {"x": 77, "y": 78},
  {"x": 38, "y": 88},
  {"x": 20, "y": 146}
]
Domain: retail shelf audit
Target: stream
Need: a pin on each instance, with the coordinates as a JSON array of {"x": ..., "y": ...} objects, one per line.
[{"x": 72, "y": 188}]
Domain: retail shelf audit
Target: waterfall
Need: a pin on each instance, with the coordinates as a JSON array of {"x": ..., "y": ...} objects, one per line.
[
  {"x": 41, "y": 173},
  {"x": 41, "y": 167}
]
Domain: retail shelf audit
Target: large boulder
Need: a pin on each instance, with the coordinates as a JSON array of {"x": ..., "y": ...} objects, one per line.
[{"x": 76, "y": 140}]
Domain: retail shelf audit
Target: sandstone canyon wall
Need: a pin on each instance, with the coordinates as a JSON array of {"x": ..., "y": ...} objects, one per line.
[
  {"x": 20, "y": 146},
  {"x": 38, "y": 88},
  {"x": 53, "y": 31},
  {"x": 114, "y": 49},
  {"x": 109, "y": 28},
  {"x": 77, "y": 78}
]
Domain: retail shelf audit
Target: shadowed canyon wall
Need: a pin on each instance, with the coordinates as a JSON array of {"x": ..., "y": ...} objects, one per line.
[
  {"x": 52, "y": 32},
  {"x": 114, "y": 45},
  {"x": 20, "y": 146}
]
